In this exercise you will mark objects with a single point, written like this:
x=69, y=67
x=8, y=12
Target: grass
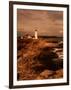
x=36, y=60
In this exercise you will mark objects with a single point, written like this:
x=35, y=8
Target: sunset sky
x=48, y=23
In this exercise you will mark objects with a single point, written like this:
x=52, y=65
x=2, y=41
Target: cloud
x=46, y=22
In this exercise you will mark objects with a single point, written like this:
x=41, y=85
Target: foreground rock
x=36, y=60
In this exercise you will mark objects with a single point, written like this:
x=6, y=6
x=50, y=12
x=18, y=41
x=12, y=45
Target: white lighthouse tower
x=36, y=35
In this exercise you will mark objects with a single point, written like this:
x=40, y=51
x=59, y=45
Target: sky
x=47, y=23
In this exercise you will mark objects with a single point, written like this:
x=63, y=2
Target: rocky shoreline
x=39, y=59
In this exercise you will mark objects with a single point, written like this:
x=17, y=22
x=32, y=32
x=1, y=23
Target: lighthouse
x=36, y=36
